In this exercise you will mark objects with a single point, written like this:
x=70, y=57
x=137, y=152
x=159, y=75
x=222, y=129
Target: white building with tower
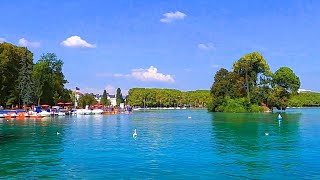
x=77, y=96
x=113, y=99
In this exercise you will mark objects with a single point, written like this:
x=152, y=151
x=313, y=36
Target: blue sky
x=165, y=44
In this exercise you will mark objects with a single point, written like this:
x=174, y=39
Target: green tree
x=119, y=98
x=251, y=67
x=286, y=78
x=10, y=66
x=66, y=95
x=285, y=83
x=279, y=98
x=39, y=76
x=49, y=79
x=25, y=80
x=251, y=85
x=87, y=99
x=104, y=98
x=226, y=84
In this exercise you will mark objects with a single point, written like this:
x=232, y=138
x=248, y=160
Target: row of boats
x=21, y=114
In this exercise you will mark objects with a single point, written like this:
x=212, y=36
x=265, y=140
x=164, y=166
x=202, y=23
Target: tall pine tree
x=25, y=79
x=104, y=99
x=119, y=98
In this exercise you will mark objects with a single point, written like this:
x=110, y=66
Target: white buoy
x=58, y=133
x=279, y=117
x=267, y=134
x=189, y=117
x=134, y=135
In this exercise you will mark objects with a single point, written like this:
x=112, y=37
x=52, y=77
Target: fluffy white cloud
x=215, y=66
x=26, y=43
x=207, y=46
x=150, y=74
x=76, y=41
x=172, y=16
x=2, y=40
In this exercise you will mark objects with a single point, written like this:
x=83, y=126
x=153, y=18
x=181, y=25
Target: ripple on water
x=169, y=145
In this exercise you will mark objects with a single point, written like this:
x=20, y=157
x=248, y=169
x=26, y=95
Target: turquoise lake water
x=169, y=145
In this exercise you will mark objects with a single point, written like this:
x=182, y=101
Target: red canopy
x=67, y=103
x=60, y=103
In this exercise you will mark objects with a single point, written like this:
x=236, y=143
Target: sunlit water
x=171, y=144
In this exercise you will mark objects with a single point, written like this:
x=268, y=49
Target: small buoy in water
x=189, y=117
x=279, y=117
x=58, y=133
x=267, y=134
x=134, y=135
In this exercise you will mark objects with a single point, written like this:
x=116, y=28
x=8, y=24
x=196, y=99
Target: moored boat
x=97, y=111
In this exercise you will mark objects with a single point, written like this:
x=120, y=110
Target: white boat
x=97, y=111
x=45, y=114
x=61, y=114
x=137, y=109
x=83, y=112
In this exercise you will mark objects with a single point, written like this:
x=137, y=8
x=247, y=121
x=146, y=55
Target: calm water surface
x=169, y=145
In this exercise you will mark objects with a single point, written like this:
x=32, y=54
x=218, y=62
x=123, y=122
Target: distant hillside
x=305, y=99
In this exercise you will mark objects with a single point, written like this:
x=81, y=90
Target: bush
x=235, y=105
x=255, y=108
x=238, y=105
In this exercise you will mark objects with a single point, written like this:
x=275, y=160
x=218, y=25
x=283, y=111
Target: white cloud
x=172, y=16
x=119, y=75
x=207, y=46
x=215, y=66
x=91, y=90
x=2, y=40
x=26, y=43
x=150, y=74
x=77, y=42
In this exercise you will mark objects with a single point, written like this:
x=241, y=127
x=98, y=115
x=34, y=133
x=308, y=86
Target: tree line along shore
x=249, y=86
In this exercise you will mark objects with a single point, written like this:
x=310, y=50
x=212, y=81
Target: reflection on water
x=256, y=145
x=28, y=147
